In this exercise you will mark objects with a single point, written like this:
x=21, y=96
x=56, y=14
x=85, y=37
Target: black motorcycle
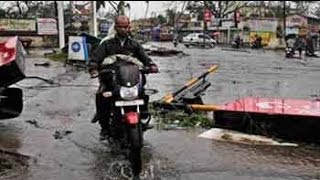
x=125, y=80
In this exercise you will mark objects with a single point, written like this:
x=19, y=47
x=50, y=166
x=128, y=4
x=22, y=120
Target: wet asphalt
x=55, y=133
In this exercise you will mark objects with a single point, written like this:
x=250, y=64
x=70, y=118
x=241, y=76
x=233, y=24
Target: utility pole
x=284, y=19
x=205, y=27
x=219, y=16
x=56, y=10
x=94, y=17
x=61, y=24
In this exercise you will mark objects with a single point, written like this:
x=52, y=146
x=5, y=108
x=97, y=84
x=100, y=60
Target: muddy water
x=55, y=132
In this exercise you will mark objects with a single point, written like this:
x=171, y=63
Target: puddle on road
x=174, y=72
x=11, y=162
x=9, y=137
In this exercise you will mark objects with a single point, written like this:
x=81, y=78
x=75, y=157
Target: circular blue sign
x=75, y=46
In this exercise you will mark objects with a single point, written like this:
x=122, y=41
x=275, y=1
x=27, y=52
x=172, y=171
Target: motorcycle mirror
x=11, y=103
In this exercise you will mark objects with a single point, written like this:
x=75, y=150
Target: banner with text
x=47, y=26
x=17, y=25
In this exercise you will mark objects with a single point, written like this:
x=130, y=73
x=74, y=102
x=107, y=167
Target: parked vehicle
x=199, y=39
x=12, y=65
x=123, y=77
x=11, y=103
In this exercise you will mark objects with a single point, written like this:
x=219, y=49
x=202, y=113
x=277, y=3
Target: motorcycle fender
x=131, y=118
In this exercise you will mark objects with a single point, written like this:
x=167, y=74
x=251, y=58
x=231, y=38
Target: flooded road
x=55, y=133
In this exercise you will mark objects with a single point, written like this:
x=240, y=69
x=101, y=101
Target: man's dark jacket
x=113, y=46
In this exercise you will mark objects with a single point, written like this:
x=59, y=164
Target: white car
x=198, y=39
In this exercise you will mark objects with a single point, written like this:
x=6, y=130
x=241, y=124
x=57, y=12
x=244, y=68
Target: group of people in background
x=300, y=43
x=256, y=42
x=293, y=43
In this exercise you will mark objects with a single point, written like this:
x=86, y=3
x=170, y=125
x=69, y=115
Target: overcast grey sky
x=138, y=8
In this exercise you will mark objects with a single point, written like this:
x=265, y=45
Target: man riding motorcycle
x=120, y=44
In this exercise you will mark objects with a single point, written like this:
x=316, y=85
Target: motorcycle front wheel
x=136, y=141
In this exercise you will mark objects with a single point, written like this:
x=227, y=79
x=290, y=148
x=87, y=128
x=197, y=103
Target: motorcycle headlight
x=129, y=93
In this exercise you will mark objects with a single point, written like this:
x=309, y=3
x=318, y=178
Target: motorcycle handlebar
x=94, y=73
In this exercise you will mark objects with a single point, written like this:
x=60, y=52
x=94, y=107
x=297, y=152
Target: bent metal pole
x=170, y=97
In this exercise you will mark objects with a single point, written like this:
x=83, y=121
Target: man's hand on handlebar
x=93, y=70
x=94, y=73
x=153, y=68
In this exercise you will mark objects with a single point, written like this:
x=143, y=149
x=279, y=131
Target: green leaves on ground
x=60, y=57
x=181, y=119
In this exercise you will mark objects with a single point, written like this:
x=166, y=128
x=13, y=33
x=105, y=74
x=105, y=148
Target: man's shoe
x=95, y=119
x=104, y=133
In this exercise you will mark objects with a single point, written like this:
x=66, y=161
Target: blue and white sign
x=75, y=46
x=78, y=48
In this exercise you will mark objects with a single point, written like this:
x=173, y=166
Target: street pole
x=56, y=10
x=94, y=17
x=219, y=15
x=61, y=24
x=205, y=27
x=284, y=19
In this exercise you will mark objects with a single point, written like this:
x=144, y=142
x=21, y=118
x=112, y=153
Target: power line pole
x=61, y=24
x=205, y=27
x=94, y=18
x=284, y=19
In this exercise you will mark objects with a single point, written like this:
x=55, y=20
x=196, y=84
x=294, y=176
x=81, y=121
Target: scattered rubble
x=238, y=137
x=61, y=134
x=33, y=122
x=153, y=50
x=45, y=64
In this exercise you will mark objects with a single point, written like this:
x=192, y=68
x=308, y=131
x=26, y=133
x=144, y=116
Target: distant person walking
x=299, y=45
